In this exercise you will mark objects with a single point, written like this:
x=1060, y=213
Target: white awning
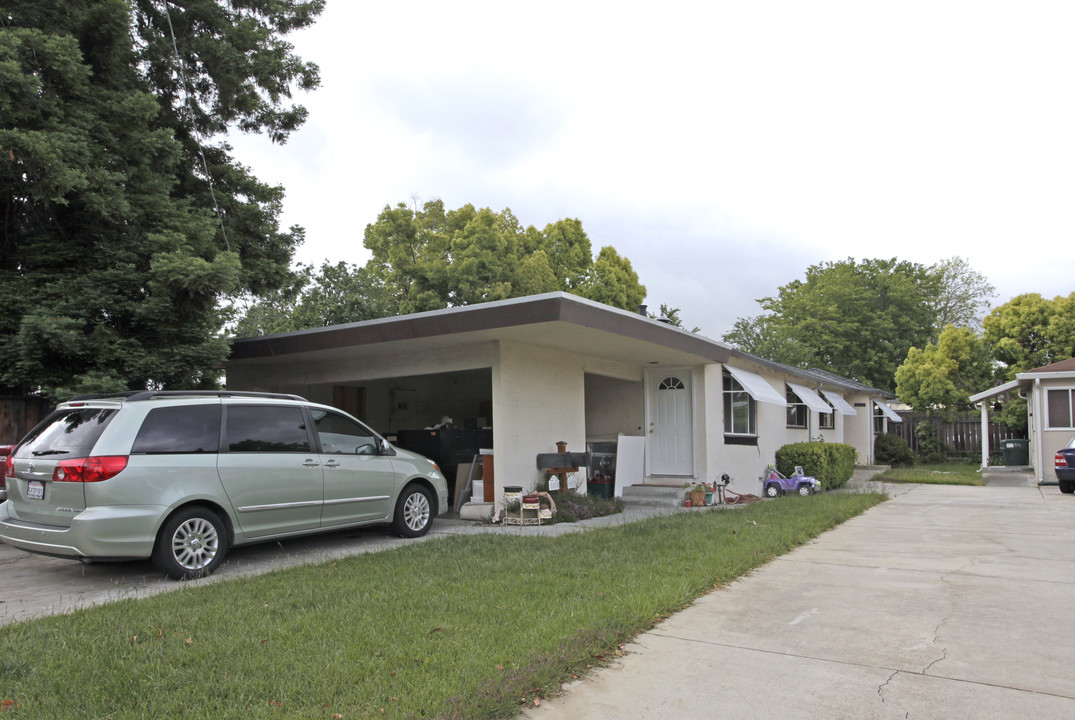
x=811, y=398
x=887, y=411
x=756, y=385
x=838, y=402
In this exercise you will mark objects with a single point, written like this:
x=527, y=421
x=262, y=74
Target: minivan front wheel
x=414, y=512
x=191, y=544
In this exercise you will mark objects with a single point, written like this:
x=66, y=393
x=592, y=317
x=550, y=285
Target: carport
x=531, y=370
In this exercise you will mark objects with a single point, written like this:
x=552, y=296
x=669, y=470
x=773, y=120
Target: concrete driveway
x=944, y=602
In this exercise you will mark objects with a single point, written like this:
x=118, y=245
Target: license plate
x=35, y=490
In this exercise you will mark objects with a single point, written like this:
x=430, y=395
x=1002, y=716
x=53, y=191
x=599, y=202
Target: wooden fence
x=962, y=437
x=19, y=414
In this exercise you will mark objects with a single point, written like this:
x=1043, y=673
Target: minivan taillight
x=1060, y=460
x=90, y=469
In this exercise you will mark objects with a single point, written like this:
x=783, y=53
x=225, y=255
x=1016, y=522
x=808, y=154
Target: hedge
x=831, y=463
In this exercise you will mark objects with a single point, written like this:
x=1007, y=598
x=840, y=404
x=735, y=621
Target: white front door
x=671, y=424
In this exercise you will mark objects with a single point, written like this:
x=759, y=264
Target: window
x=266, y=428
x=671, y=383
x=740, y=410
x=798, y=412
x=879, y=420
x=340, y=435
x=179, y=429
x=1061, y=408
x=827, y=421
x=67, y=432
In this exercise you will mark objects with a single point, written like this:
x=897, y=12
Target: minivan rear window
x=178, y=430
x=69, y=433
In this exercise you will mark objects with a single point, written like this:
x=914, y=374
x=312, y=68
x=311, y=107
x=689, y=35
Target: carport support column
x=985, y=434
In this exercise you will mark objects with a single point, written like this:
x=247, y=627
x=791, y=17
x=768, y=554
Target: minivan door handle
x=310, y=462
x=332, y=463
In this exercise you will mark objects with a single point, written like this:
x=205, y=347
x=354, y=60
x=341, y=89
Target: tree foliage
x=963, y=295
x=113, y=261
x=333, y=295
x=432, y=258
x=859, y=319
x=939, y=378
x=1029, y=332
x=856, y=319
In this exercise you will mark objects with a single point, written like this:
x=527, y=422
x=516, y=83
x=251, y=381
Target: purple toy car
x=776, y=484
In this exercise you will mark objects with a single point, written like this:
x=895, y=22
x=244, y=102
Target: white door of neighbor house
x=670, y=424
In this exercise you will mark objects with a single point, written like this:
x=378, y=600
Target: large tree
x=859, y=319
x=124, y=220
x=1029, y=332
x=429, y=258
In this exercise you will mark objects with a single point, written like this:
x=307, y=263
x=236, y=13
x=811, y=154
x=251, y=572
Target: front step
x=659, y=495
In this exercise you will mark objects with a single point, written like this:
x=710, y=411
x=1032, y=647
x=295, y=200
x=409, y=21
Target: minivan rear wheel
x=191, y=544
x=414, y=512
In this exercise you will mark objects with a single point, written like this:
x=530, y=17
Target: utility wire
x=194, y=124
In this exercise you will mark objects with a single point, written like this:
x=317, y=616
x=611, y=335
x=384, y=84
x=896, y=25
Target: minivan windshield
x=66, y=433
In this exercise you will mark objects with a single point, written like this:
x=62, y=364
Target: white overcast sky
x=723, y=147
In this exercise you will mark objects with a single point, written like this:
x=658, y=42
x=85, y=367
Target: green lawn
x=464, y=627
x=940, y=474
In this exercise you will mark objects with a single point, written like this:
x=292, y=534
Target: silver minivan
x=182, y=476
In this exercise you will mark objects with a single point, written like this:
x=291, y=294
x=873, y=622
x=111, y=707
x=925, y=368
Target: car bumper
x=100, y=533
x=1065, y=473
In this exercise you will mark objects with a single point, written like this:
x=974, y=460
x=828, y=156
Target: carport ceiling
x=554, y=320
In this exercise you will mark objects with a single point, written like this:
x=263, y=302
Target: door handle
x=310, y=462
x=332, y=463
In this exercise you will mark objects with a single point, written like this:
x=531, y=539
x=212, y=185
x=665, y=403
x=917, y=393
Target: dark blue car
x=1065, y=467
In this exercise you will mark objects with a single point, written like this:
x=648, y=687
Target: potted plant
x=696, y=493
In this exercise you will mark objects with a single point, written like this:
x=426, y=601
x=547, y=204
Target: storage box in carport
x=1015, y=451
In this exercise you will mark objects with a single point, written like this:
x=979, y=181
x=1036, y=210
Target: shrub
x=892, y=450
x=930, y=449
x=831, y=463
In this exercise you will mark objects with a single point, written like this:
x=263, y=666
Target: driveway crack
x=882, y=686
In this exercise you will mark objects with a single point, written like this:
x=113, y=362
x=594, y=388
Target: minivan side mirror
x=385, y=447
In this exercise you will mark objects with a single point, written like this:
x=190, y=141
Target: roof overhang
x=554, y=320
x=998, y=391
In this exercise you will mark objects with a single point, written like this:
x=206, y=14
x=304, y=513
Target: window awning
x=756, y=385
x=887, y=411
x=811, y=398
x=838, y=402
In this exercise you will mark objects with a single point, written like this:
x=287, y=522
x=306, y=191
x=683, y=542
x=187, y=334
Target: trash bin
x=601, y=489
x=1015, y=452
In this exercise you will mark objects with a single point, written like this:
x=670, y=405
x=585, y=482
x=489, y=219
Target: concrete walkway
x=944, y=601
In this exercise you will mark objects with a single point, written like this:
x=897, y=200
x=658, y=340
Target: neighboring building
x=1050, y=395
x=545, y=368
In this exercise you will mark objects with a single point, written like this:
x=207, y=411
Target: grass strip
x=464, y=627
x=937, y=474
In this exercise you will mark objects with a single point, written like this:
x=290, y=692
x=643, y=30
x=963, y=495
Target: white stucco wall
x=538, y=399
x=613, y=407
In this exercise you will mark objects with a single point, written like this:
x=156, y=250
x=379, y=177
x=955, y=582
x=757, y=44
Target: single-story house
x=516, y=376
x=1050, y=396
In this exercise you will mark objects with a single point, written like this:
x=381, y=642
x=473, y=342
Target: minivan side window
x=340, y=435
x=266, y=428
x=179, y=429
